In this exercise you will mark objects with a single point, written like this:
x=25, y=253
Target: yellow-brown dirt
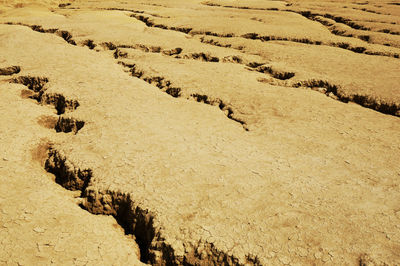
x=215, y=132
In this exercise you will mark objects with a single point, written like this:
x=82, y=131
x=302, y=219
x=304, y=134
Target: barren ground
x=215, y=132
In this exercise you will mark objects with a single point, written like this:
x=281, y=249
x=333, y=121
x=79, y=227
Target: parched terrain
x=216, y=132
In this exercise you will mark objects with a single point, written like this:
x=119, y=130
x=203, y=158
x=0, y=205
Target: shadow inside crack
x=68, y=124
x=275, y=73
x=8, y=71
x=166, y=86
x=335, y=92
x=135, y=220
x=35, y=84
x=37, y=88
x=59, y=102
x=61, y=124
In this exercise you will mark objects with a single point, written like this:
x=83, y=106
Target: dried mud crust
x=45, y=243
x=283, y=78
x=333, y=22
x=279, y=77
x=363, y=100
x=149, y=22
x=37, y=91
x=176, y=53
x=367, y=101
x=66, y=174
x=61, y=33
x=256, y=36
x=337, y=93
x=167, y=86
x=135, y=218
x=154, y=248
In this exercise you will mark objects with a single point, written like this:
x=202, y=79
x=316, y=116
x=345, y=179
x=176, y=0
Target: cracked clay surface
x=199, y=133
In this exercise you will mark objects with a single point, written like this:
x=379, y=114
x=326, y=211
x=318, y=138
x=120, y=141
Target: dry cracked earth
x=191, y=132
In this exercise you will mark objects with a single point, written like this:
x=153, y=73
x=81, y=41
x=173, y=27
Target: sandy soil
x=199, y=132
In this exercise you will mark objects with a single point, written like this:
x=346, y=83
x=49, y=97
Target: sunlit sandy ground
x=206, y=132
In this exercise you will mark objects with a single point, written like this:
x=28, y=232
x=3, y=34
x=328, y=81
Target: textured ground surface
x=207, y=132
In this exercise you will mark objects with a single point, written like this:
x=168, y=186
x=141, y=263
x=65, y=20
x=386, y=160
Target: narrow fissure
x=256, y=36
x=60, y=103
x=37, y=86
x=38, y=28
x=366, y=101
x=166, y=86
x=133, y=219
x=175, y=53
x=8, y=71
x=278, y=74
